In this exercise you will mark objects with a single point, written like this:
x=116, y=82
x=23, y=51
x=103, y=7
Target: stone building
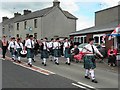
x=49, y=22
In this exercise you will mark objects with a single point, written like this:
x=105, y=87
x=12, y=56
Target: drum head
x=23, y=52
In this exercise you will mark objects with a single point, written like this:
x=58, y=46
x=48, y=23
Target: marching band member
x=11, y=47
x=67, y=51
x=4, y=46
x=19, y=47
x=89, y=60
x=29, y=44
x=57, y=52
x=44, y=51
x=51, y=49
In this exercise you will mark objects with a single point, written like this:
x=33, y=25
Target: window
x=35, y=23
x=17, y=35
x=85, y=41
x=35, y=35
x=3, y=31
x=101, y=39
x=17, y=26
x=81, y=39
x=96, y=39
x=75, y=39
x=27, y=35
x=25, y=25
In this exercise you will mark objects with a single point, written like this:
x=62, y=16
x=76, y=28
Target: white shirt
x=89, y=47
x=66, y=44
x=56, y=45
x=51, y=44
x=18, y=46
x=11, y=45
x=28, y=43
x=45, y=45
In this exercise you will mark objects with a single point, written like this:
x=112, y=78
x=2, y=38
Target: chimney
x=16, y=14
x=56, y=3
x=4, y=18
x=27, y=12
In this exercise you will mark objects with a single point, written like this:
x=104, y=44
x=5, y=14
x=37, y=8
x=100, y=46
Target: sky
x=84, y=10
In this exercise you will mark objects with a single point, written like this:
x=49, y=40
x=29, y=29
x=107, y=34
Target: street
x=17, y=75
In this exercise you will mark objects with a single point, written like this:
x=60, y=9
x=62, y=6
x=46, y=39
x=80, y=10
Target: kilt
x=12, y=51
x=51, y=51
x=67, y=53
x=57, y=53
x=18, y=51
x=30, y=53
x=89, y=62
x=44, y=54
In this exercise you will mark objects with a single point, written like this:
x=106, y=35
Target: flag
x=113, y=34
x=103, y=38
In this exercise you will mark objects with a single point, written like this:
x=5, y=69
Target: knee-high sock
x=56, y=59
x=44, y=60
x=92, y=74
x=30, y=60
x=86, y=72
x=13, y=56
x=18, y=58
x=68, y=60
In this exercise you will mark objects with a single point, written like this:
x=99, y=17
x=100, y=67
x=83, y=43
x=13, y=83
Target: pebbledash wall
x=51, y=21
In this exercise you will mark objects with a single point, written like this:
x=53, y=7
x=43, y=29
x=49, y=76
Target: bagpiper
x=57, y=52
x=19, y=48
x=11, y=48
x=29, y=45
x=51, y=43
x=44, y=51
x=67, y=53
x=89, y=60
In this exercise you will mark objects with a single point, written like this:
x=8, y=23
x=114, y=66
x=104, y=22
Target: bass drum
x=23, y=53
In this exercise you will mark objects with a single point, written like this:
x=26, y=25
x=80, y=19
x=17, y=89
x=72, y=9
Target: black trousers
x=112, y=59
x=4, y=49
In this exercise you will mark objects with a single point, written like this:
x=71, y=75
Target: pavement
x=73, y=75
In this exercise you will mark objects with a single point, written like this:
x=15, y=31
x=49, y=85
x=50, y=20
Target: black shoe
x=87, y=77
x=57, y=63
x=42, y=62
x=68, y=63
x=94, y=81
x=33, y=60
x=30, y=65
x=19, y=61
x=55, y=60
x=45, y=65
x=14, y=60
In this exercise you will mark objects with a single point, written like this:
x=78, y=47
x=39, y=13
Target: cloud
x=71, y=6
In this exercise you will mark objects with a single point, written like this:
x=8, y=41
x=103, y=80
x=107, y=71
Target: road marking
x=78, y=86
x=86, y=85
x=31, y=68
x=44, y=69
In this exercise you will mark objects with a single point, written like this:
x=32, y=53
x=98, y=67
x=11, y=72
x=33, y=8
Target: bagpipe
x=82, y=54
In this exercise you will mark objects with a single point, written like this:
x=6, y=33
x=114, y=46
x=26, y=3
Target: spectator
x=74, y=52
x=112, y=56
